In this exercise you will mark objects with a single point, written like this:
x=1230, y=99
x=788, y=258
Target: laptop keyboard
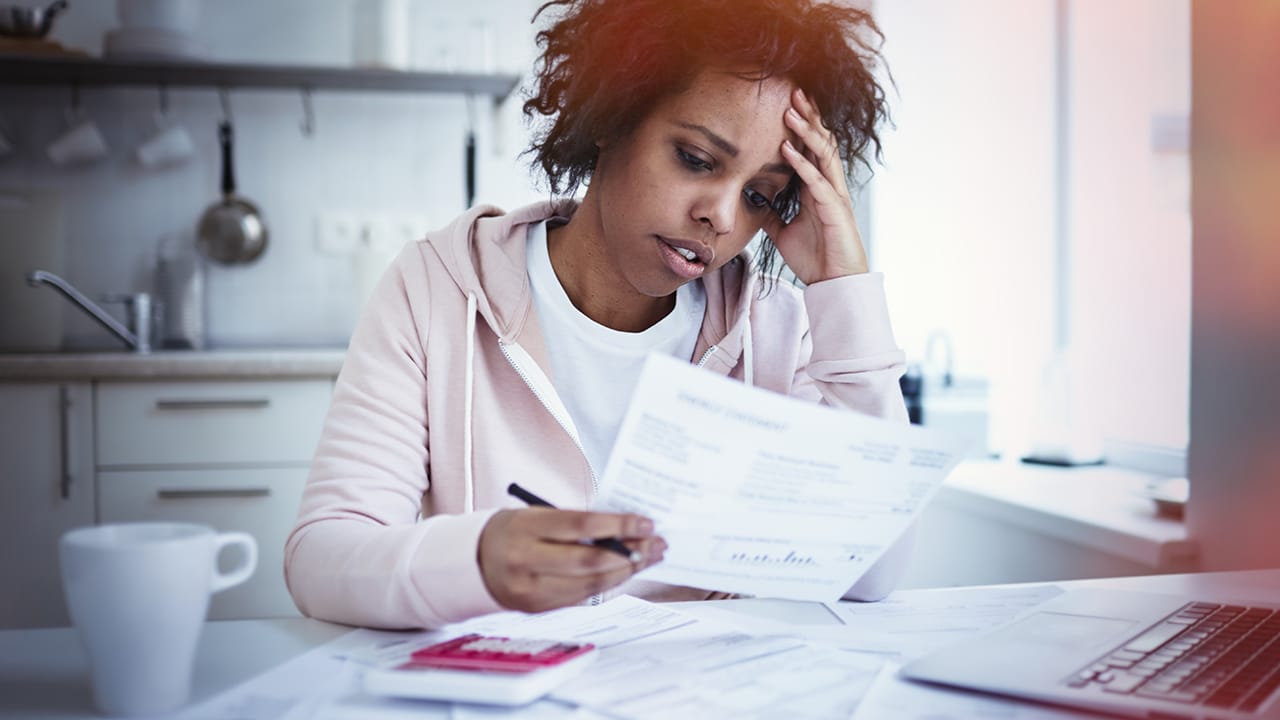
x=1219, y=656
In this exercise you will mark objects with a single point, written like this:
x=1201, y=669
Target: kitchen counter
x=173, y=364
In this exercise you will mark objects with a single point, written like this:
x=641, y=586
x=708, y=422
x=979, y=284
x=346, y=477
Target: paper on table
x=684, y=666
x=912, y=623
x=762, y=494
x=658, y=662
x=893, y=697
x=655, y=662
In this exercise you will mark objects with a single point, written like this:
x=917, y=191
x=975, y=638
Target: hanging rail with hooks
x=91, y=71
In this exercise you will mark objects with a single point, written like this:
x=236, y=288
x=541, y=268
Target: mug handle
x=222, y=581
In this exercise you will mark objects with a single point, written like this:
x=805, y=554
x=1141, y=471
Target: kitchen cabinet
x=46, y=488
x=231, y=454
x=260, y=501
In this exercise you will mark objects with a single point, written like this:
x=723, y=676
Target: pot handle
x=228, y=172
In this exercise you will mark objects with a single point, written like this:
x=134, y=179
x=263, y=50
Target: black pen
x=612, y=544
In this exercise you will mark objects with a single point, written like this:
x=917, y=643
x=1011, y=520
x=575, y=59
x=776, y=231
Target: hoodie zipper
x=564, y=425
x=707, y=355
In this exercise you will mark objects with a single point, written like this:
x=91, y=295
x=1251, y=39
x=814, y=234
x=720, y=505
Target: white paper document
x=761, y=494
x=654, y=662
x=891, y=696
x=658, y=662
x=911, y=623
x=664, y=662
x=703, y=668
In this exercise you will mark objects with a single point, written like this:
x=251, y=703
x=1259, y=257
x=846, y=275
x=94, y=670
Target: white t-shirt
x=594, y=368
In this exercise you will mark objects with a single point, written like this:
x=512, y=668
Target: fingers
x=573, y=525
x=822, y=151
x=532, y=592
x=579, y=559
x=820, y=187
x=538, y=558
x=571, y=590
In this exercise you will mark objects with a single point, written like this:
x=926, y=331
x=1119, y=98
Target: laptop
x=1126, y=653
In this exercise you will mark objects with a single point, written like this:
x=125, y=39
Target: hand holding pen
x=612, y=544
x=539, y=558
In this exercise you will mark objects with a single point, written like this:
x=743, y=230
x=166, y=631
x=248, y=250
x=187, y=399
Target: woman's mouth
x=682, y=261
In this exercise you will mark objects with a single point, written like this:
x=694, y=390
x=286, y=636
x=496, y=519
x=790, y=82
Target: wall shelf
x=82, y=72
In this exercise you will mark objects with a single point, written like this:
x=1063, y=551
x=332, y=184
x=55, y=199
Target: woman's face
x=691, y=185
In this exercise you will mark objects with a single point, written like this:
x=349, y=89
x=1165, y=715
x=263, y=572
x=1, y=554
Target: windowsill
x=1099, y=507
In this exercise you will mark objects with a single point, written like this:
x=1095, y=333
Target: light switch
x=338, y=233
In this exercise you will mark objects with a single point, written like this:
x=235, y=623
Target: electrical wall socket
x=346, y=233
x=339, y=233
x=389, y=233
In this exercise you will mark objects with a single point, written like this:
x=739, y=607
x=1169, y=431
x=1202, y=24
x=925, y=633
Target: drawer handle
x=200, y=494
x=64, y=422
x=214, y=404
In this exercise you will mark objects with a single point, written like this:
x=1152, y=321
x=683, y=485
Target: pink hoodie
x=444, y=400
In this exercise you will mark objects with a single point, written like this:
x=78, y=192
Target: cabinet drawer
x=263, y=503
x=199, y=423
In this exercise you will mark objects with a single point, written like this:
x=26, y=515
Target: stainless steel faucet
x=949, y=357
x=137, y=335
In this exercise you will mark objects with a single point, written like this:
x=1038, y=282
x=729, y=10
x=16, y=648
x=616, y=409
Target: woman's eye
x=755, y=199
x=692, y=160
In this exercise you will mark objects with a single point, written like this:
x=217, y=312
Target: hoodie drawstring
x=748, y=369
x=468, y=383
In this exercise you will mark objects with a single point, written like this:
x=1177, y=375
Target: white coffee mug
x=81, y=144
x=138, y=593
x=169, y=145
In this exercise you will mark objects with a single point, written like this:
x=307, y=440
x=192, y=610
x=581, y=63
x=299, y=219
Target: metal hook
x=225, y=96
x=308, y=114
x=74, y=113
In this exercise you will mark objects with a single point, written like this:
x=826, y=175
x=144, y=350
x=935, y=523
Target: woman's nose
x=717, y=209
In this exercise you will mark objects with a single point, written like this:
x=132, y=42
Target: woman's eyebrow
x=730, y=149
x=725, y=145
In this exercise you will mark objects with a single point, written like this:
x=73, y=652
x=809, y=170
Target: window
x=1034, y=207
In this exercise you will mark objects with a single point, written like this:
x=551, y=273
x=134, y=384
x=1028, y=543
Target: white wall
x=395, y=154
x=963, y=212
x=1129, y=226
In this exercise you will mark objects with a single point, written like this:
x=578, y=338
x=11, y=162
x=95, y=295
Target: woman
x=503, y=348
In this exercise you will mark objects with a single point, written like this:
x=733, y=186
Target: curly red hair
x=605, y=63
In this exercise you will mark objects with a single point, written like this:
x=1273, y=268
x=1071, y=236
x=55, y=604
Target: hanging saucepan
x=231, y=230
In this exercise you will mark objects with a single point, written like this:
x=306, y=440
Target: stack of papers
x=655, y=662
x=659, y=661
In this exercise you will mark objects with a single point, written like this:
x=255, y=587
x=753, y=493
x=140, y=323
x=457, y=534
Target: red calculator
x=482, y=669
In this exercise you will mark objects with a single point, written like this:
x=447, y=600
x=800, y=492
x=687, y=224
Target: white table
x=44, y=673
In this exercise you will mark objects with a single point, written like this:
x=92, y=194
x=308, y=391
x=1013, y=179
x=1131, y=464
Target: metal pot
x=231, y=231
x=29, y=22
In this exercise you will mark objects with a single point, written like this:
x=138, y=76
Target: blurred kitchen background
x=378, y=168
x=1024, y=164
x=1032, y=217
